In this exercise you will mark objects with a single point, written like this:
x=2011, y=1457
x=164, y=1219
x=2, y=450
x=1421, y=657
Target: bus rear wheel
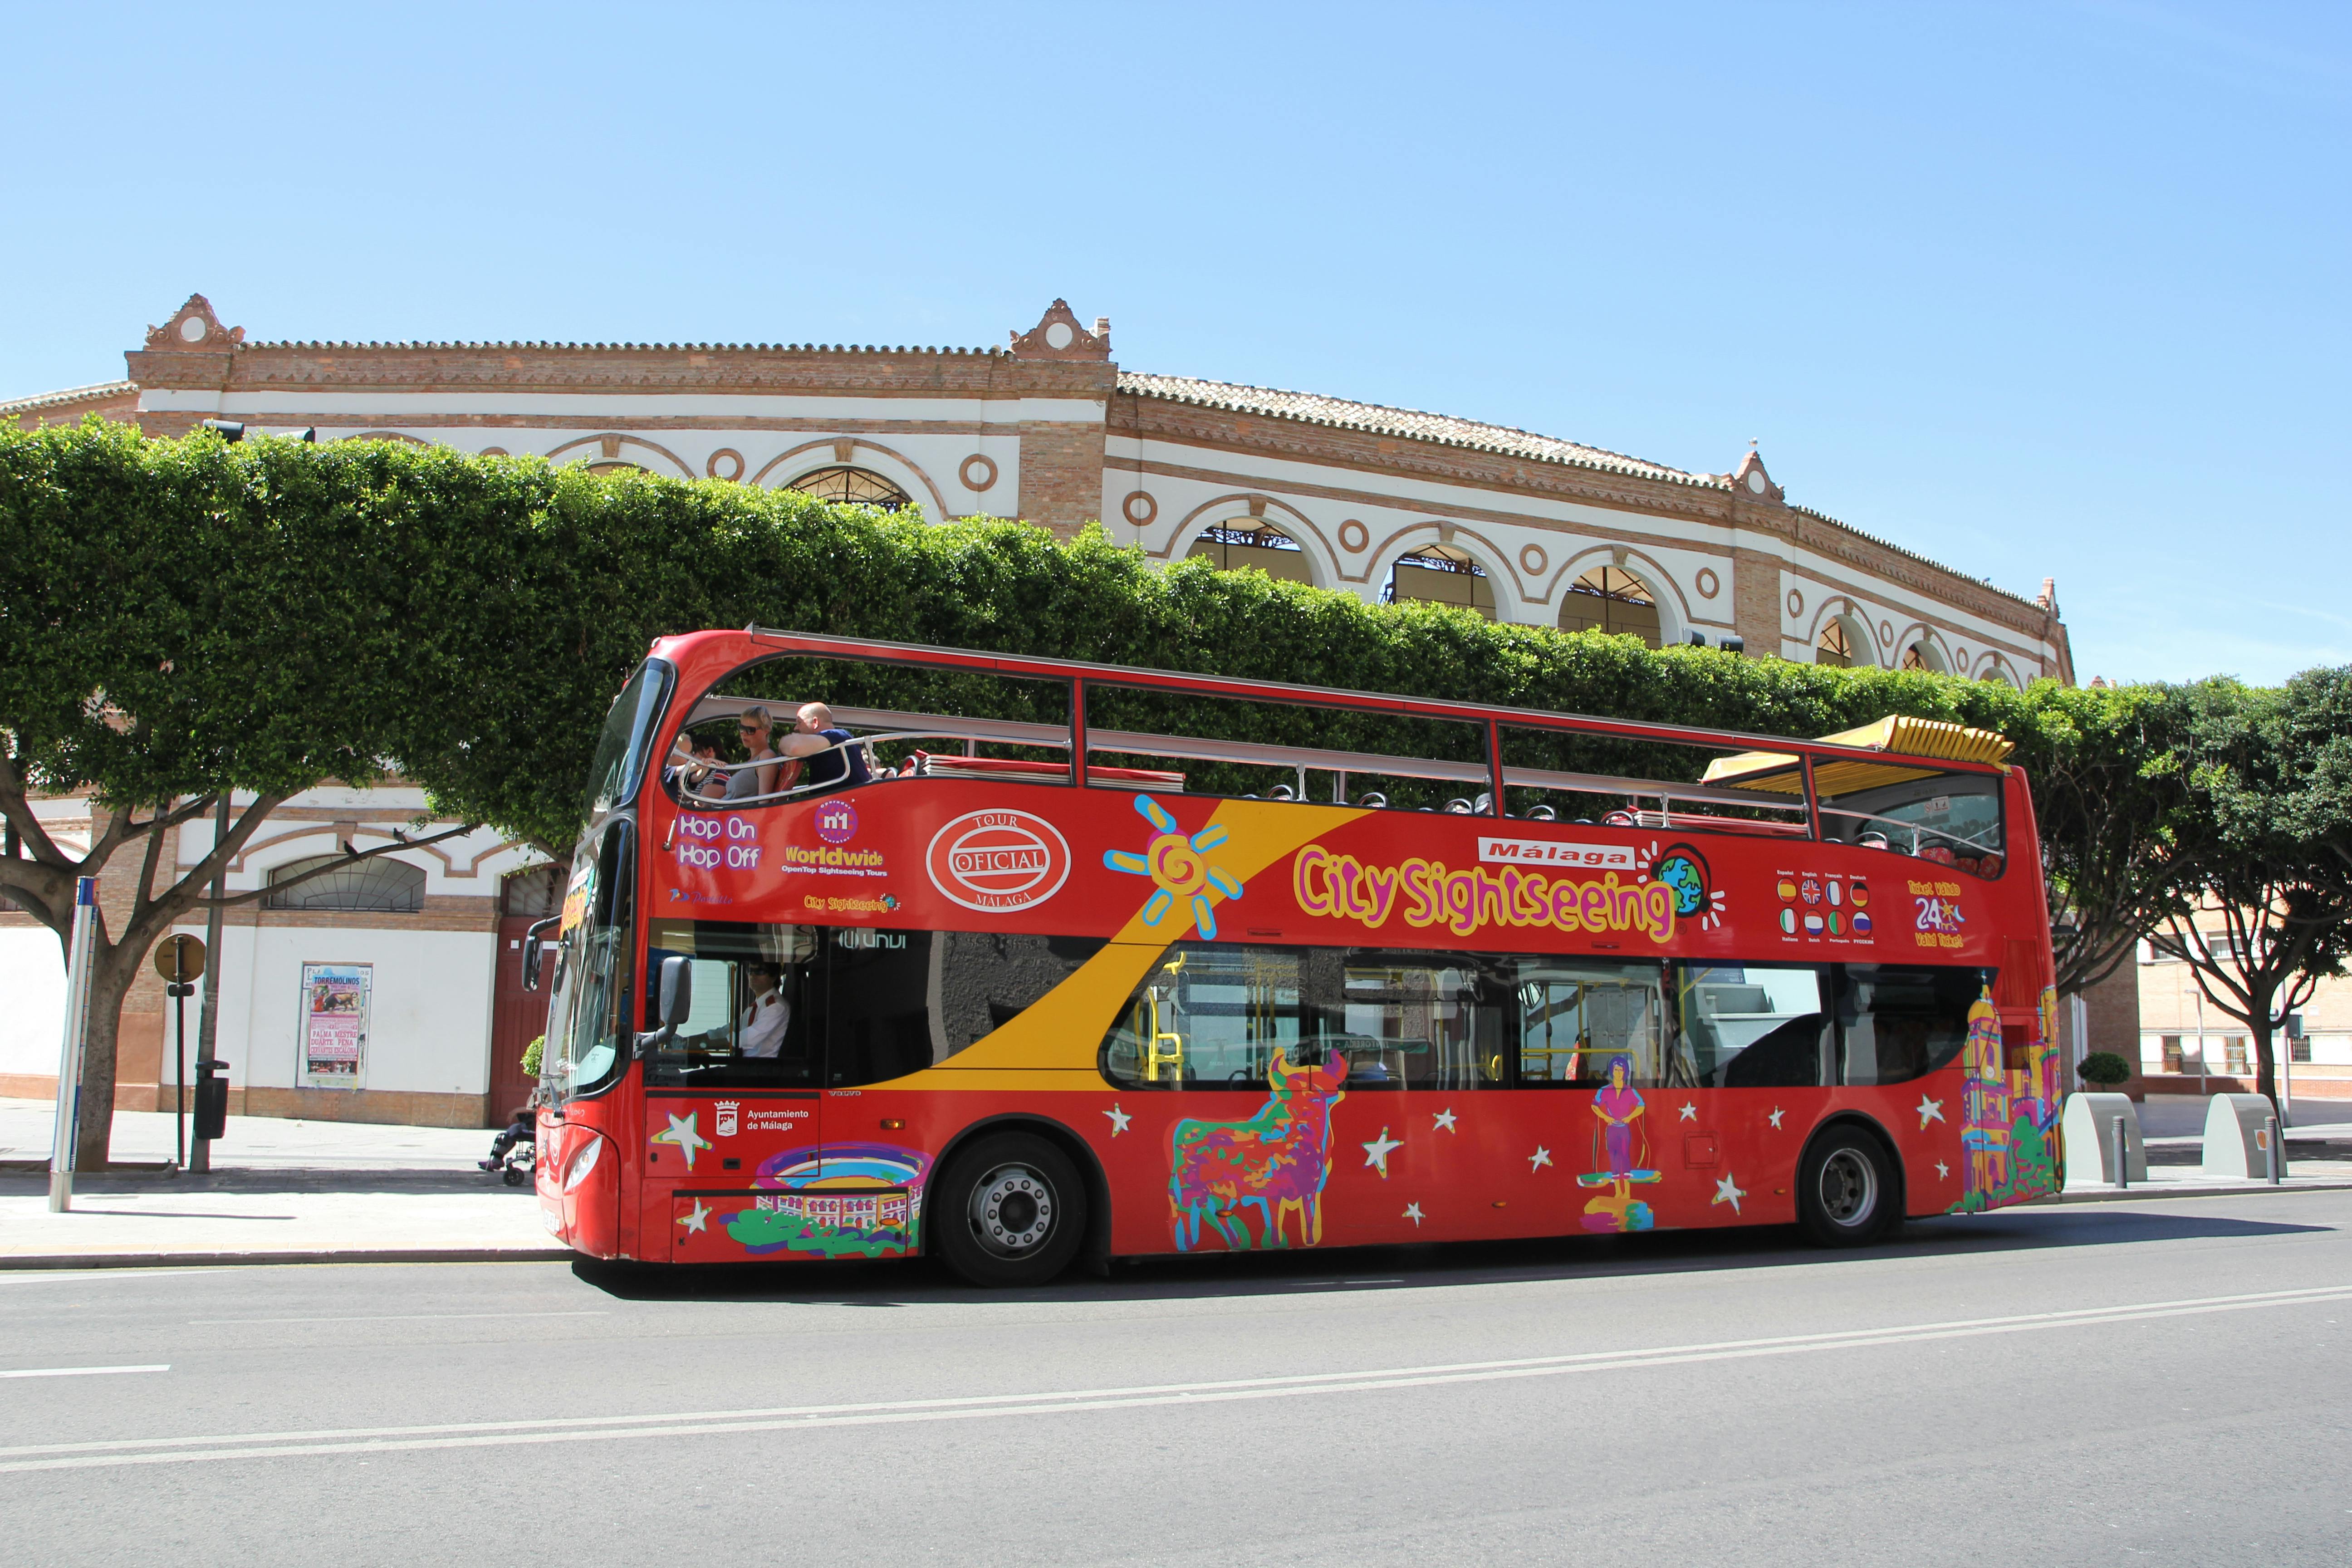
x=1011, y=1210
x=1845, y=1189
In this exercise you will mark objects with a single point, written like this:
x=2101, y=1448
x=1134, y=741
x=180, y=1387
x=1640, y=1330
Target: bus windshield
x=620, y=763
x=588, y=1012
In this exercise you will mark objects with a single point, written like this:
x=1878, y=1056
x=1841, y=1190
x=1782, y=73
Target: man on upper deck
x=832, y=758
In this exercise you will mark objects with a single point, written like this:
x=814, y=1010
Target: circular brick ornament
x=978, y=472
x=1354, y=536
x=1138, y=508
x=1532, y=558
x=1796, y=602
x=726, y=463
x=1709, y=584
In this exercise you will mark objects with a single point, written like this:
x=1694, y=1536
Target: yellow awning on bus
x=1896, y=732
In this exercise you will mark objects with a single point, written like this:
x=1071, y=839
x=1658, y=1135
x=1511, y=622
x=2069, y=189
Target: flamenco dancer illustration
x=1619, y=1143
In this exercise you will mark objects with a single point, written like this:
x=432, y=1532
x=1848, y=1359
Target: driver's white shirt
x=761, y=1031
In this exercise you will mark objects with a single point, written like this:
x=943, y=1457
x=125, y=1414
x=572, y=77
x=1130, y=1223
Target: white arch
x=781, y=468
x=1859, y=637
x=627, y=448
x=1673, y=609
x=1937, y=657
x=1322, y=567
x=1510, y=604
x=1998, y=667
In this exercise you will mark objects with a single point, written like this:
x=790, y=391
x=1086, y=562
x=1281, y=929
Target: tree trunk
x=112, y=968
x=2266, y=1065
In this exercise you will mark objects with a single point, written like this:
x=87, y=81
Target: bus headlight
x=582, y=1163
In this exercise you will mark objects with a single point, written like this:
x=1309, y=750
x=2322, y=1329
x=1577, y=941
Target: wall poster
x=335, y=1022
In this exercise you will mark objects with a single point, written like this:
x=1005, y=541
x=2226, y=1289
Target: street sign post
x=180, y=960
x=78, y=950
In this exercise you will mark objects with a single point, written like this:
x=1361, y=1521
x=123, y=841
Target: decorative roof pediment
x=1751, y=479
x=1058, y=335
x=194, y=326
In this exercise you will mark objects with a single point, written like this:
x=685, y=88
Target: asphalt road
x=2162, y=1383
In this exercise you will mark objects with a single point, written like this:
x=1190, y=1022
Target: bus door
x=879, y=1015
x=1599, y=1135
x=733, y=1111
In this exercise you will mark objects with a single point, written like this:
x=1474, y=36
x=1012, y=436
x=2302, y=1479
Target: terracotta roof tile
x=1412, y=423
x=95, y=393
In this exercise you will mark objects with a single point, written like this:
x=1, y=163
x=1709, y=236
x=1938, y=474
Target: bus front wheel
x=1010, y=1211
x=1845, y=1189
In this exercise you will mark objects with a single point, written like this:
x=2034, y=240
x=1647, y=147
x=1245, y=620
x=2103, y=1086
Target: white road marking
x=395, y=1318
x=86, y=1276
x=602, y=1429
x=81, y=1371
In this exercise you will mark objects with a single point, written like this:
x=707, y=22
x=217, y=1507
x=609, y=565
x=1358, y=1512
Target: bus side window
x=1756, y=1025
x=1898, y=1022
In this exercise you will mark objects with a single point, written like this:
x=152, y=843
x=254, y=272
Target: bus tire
x=1845, y=1189
x=1011, y=1210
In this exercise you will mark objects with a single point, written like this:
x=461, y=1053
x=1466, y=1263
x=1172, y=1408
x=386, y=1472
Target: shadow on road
x=924, y=1281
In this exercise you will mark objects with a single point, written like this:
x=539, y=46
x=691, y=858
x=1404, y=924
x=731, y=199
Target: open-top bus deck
x=1133, y=961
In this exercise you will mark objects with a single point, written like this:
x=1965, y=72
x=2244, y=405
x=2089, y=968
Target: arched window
x=382, y=886
x=538, y=892
x=1611, y=599
x=1440, y=574
x=1835, y=646
x=1245, y=543
x=852, y=487
x=1922, y=655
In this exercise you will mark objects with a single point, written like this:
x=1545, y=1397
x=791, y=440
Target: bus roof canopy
x=1896, y=733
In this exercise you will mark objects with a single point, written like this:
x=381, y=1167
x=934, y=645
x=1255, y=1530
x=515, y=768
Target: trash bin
x=2088, y=1128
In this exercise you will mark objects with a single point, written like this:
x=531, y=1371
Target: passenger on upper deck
x=749, y=778
x=831, y=757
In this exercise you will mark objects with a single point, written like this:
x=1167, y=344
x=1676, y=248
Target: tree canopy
x=183, y=617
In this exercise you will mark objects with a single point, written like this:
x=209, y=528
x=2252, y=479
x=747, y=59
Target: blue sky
x=2035, y=291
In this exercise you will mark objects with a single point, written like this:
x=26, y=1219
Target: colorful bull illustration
x=1276, y=1162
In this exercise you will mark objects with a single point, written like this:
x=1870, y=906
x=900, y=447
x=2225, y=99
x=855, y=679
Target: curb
x=216, y=1259
x=2145, y=1192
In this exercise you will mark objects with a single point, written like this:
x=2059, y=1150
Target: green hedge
x=473, y=617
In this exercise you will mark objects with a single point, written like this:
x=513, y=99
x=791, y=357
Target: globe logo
x=1681, y=874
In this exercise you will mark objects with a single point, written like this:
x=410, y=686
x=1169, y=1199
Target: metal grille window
x=1441, y=575
x=382, y=886
x=1265, y=547
x=1613, y=600
x=854, y=487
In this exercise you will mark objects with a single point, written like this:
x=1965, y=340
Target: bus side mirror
x=677, y=992
x=532, y=952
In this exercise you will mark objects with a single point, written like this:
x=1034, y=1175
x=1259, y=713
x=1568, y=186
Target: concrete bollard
x=2240, y=1138
x=2101, y=1139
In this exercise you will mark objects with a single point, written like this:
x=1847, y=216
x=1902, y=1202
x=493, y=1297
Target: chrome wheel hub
x=1849, y=1187
x=1012, y=1211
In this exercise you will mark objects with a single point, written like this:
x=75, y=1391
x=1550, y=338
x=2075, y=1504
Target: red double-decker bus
x=1010, y=959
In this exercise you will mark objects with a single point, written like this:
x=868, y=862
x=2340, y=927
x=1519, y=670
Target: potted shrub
x=2105, y=1070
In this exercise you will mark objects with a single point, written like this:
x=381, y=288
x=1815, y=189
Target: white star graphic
x=1930, y=1111
x=1119, y=1121
x=1412, y=1213
x=700, y=1220
x=1775, y=1117
x=1943, y=1171
x=1540, y=1158
x=1377, y=1152
x=1445, y=1120
x=1690, y=1111
x=1725, y=1192
x=684, y=1138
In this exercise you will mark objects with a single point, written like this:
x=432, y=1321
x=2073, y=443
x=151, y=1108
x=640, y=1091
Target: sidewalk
x=278, y=1192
